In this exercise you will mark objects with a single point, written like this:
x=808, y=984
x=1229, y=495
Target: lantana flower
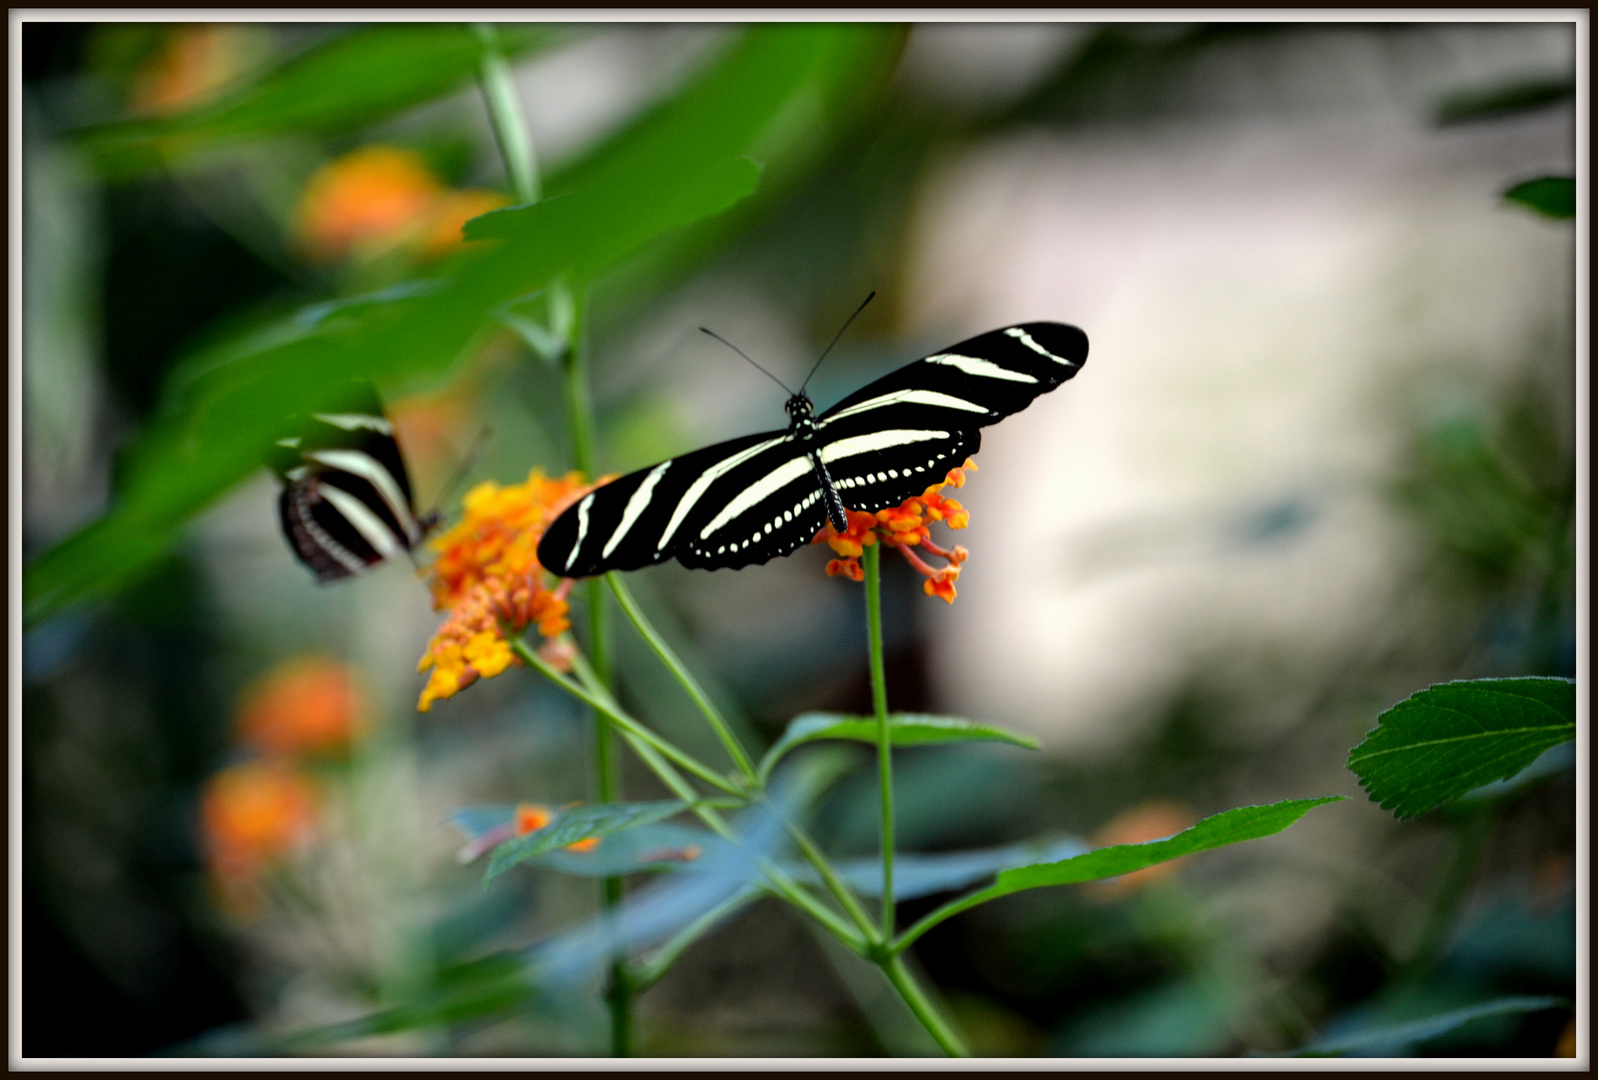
x=488, y=577
x=251, y=815
x=905, y=527
x=308, y=705
x=378, y=199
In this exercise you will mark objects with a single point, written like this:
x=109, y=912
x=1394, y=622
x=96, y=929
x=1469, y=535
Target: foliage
x=1444, y=741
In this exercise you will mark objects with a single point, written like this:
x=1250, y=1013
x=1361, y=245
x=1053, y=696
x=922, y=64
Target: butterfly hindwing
x=346, y=502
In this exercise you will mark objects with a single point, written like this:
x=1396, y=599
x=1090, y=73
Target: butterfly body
x=752, y=499
x=346, y=503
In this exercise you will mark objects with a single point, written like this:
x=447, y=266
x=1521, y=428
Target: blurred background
x=1322, y=456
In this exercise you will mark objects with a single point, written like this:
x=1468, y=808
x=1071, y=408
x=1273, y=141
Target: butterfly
x=346, y=501
x=752, y=499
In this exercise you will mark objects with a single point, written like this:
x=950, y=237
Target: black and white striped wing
x=740, y=502
x=346, y=502
x=892, y=439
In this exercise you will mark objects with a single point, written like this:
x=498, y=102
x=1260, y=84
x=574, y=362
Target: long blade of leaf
x=354, y=79
x=1218, y=830
x=1392, y=1037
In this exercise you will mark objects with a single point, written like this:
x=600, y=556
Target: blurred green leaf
x=1218, y=830
x=1449, y=739
x=680, y=164
x=352, y=80
x=235, y=403
x=577, y=824
x=1387, y=1039
x=1550, y=196
x=922, y=875
x=1504, y=99
x=904, y=729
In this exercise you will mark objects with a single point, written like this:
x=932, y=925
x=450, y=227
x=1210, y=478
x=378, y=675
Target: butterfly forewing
x=881, y=438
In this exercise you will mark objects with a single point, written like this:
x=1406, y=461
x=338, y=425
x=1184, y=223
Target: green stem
x=505, y=116
x=646, y=973
x=605, y=706
x=652, y=750
x=836, y=885
x=913, y=996
x=879, y=702
x=712, y=715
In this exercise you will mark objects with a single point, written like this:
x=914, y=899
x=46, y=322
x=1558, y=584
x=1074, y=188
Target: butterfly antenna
x=835, y=338
x=460, y=473
x=745, y=355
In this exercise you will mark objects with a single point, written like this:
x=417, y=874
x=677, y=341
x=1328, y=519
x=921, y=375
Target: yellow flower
x=488, y=577
x=904, y=527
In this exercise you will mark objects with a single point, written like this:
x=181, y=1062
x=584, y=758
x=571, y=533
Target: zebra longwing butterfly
x=752, y=499
x=346, y=501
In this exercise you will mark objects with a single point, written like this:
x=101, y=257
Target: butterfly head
x=800, y=407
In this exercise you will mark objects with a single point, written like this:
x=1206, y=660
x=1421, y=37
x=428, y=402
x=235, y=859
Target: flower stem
x=505, y=116
x=879, y=702
x=521, y=166
x=914, y=997
x=712, y=715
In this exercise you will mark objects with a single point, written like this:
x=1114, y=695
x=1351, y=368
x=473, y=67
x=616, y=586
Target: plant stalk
x=913, y=996
x=879, y=702
x=521, y=165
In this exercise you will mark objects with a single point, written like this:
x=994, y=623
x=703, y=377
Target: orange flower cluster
x=193, y=65
x=487, y=575
x=309, y=705
x=251, y=814
x=379, y=199
x=905, y=526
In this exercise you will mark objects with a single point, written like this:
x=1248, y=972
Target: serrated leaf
x=1550, y=196
x=1218, y=830
x=576, y=824
x=354, y=79
x=1454, y=737
x=1391, y=1037
x=904, y=729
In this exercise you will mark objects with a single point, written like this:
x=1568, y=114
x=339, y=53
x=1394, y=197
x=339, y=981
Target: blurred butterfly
x=346, y=502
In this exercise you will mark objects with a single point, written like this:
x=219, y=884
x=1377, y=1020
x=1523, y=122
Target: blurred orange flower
x=309, y=705
x=378, y=199
x=487, y=575
x=904, y=527
x=251, y=815
x=530, y=817
x=453, y=211
x=1152, y=820
x=370, y=200
x=195, y=62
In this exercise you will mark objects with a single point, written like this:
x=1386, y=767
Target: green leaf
x=1449, y=739
x=923, y=875
x=1394, y=1037
x=579, y=823
x=1218, y=830
x=1504, y=99
x=904, y=729
x=1550, y=196
x=233, y=406
x=352, y=80
x=772, y=94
